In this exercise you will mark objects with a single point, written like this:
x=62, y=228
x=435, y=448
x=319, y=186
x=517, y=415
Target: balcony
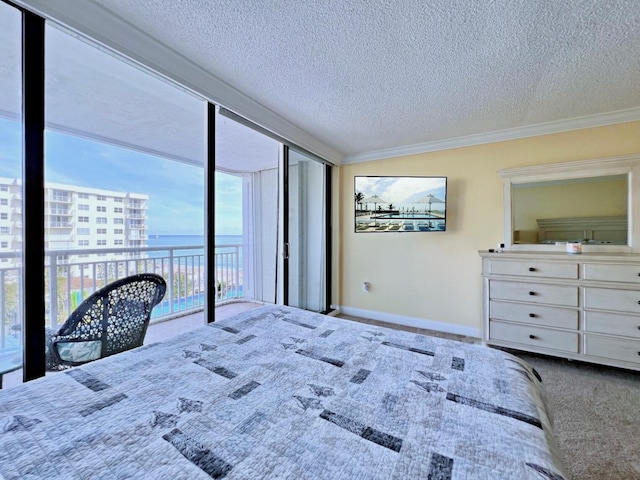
x=136, y=205
x=59, y=198
x=69, y=281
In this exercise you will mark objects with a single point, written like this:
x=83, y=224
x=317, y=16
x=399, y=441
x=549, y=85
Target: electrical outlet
x=365, y=287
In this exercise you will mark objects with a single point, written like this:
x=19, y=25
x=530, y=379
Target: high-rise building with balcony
x=77, y=218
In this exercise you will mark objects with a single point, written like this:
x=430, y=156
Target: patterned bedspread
x=282, y=393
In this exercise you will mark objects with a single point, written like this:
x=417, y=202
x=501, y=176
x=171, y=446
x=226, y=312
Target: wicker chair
x=113, y=319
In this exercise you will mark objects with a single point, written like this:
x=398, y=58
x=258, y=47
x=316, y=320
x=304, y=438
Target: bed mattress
x=279, y=392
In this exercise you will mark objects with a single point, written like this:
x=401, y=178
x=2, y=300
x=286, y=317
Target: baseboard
x=411, y=321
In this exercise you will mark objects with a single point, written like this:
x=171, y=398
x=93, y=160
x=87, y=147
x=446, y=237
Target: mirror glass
x=592, y=210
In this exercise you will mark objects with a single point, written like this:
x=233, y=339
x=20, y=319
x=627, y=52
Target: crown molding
x=99, y=25
x=577, y=123
x=593, y=167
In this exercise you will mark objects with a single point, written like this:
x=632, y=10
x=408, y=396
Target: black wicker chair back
x=113, y=319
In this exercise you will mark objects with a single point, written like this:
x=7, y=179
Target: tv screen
x=400, y=204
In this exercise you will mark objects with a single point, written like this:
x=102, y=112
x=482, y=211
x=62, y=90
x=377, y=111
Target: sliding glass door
x=124, y=179
x=305, y=247
x=247, y=172
x=11, y=191
x=284, y=256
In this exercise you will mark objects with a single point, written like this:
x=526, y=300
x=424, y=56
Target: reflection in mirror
x=594, y=201
x=590, y=210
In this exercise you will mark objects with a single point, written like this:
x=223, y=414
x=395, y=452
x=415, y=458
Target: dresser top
x=615, y=257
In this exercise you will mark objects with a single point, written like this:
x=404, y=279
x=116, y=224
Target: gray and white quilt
x=278, y=392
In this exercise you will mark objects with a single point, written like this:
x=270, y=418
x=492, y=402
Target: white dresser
x=584, y=307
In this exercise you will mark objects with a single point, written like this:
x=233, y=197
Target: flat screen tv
x=403, y=204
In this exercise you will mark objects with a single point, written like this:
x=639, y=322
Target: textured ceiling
x=369, y=75
x=365, y=76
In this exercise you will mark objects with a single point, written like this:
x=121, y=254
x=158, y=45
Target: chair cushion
x=79, y=352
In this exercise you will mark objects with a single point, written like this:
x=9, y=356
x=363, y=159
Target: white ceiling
x=369, y=79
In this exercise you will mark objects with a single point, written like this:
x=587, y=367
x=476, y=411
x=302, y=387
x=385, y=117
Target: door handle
x=285, y=251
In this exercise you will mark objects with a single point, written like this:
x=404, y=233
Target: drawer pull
x=533, y=337
x=533, y=315
x=531, y=269
x=533, y=293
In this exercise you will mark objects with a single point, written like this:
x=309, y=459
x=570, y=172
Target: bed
x=278, y=392
x=587, y=230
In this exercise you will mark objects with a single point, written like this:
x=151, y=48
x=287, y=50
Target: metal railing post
x=237, y=279
x=53, y=291
x=170, y=282
x=4, y=317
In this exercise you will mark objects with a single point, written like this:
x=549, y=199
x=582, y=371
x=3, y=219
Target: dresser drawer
x=563, y=295
x=535, y=269
x=612, y=324
x=534, y=336
x=612, y=273
x=610, y=299
x=613, y=348
x=534, y=314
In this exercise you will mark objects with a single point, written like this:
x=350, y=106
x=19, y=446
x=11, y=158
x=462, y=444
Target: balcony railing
x=59, y=198
x=228, y=276
x=68, y=281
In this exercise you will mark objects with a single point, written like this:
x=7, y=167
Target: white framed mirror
x=594, y=202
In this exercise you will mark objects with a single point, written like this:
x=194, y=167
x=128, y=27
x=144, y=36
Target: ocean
x=176, y=240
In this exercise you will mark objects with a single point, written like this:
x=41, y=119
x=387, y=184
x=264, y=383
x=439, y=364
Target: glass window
x=11, y=181
x=126, y=141
x=251, y=237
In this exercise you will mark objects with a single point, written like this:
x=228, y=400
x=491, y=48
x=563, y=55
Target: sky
x=176, y=190
x=228, y=201
x=403, y=191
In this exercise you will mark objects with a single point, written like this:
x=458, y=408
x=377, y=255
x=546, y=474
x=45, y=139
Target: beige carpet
x=596, y=412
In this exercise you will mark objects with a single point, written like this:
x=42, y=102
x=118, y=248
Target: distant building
x=76, y=218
